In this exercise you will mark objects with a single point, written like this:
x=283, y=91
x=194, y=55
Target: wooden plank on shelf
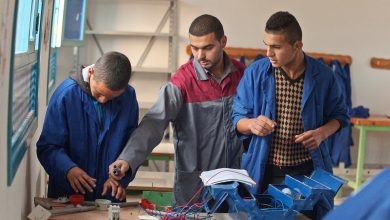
x=380, y=63
x=164, y=149
x=152, y=181
x=251, y=53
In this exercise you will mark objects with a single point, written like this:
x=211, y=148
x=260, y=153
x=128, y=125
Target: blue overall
x=72, y=136
x=321, y=102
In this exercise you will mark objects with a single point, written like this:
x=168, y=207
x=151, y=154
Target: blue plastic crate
x=331, y=181
x=309, y=188
x=303, y=194
x=295, y=200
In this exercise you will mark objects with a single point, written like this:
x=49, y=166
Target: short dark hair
x=206, y=24
x=284, y=23
x=113, y=69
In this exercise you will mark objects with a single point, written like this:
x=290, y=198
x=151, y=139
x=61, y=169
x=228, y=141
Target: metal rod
x=71, y=210
x=153, y=38
x=95, y=38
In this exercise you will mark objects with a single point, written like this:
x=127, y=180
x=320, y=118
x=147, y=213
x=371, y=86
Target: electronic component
x=113, y=212
x=117, y=170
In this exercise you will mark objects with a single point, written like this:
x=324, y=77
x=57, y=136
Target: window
x=67, y=30
x=69, y=20
x=24, y=71
x=52, y=71
x=53, y=51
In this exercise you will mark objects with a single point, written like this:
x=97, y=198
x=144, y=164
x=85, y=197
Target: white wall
x=355, y=28
x=5, y=14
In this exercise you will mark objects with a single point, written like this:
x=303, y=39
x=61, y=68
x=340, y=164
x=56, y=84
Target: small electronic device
x=117, y=170
x=113, y=212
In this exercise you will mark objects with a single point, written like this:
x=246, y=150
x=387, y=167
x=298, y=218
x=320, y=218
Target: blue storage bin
x=311, y=189
x=271, y=208
x=295, y=200
x=329, y=180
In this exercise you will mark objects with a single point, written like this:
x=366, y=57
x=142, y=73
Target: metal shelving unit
x=168, y=20
x=128, y=33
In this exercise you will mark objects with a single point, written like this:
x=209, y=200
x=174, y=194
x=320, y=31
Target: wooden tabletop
x=373, y=120
x=126, y=213
x=129, y=212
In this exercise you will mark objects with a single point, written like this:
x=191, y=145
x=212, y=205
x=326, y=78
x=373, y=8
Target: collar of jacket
x=310, y=80
x=201, y=73
x=77, y=76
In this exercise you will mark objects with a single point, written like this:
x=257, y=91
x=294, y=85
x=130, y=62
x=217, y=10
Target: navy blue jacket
x=71, y=137
x=321, y=102
x=372, y=201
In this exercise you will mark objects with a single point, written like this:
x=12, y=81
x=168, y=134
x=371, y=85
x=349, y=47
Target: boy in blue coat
x=89, y=118
x=288, y=104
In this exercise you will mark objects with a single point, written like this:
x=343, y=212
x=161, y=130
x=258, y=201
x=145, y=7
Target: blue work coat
x=340, y=142
x=371, y=202
x=321, y=102
x=71, y=137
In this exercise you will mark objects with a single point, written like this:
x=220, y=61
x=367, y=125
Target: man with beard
x=198, y=101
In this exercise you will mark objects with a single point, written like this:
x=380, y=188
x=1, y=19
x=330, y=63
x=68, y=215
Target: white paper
x=39, y=213
x=226, y=175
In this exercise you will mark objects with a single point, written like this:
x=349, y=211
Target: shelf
x=128, y=33
x=164, y=148
x=152, y=181
x=145, y=104
x=151, y=70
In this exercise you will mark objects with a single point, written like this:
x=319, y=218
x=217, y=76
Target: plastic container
x=76, y=199
x=102, y=204
x=292, y=200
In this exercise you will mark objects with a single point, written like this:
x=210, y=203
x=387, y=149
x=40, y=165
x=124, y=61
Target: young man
x=198, y=101
x=88, y=121
x=289, y=104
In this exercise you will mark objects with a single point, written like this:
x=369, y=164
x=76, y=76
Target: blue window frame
x=51, y=77
x=23, y=89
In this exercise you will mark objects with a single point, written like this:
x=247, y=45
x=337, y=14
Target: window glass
x=23, y=26
x=51, y=77
x=22, y=112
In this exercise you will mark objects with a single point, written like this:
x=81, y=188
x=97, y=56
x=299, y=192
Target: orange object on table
x=76, y=199
x=373, y=120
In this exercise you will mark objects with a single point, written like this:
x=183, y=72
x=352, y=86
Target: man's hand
x=80, y=181
x=310, y=139
x=117, y=190
x=261, y=126
x=118, y=169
